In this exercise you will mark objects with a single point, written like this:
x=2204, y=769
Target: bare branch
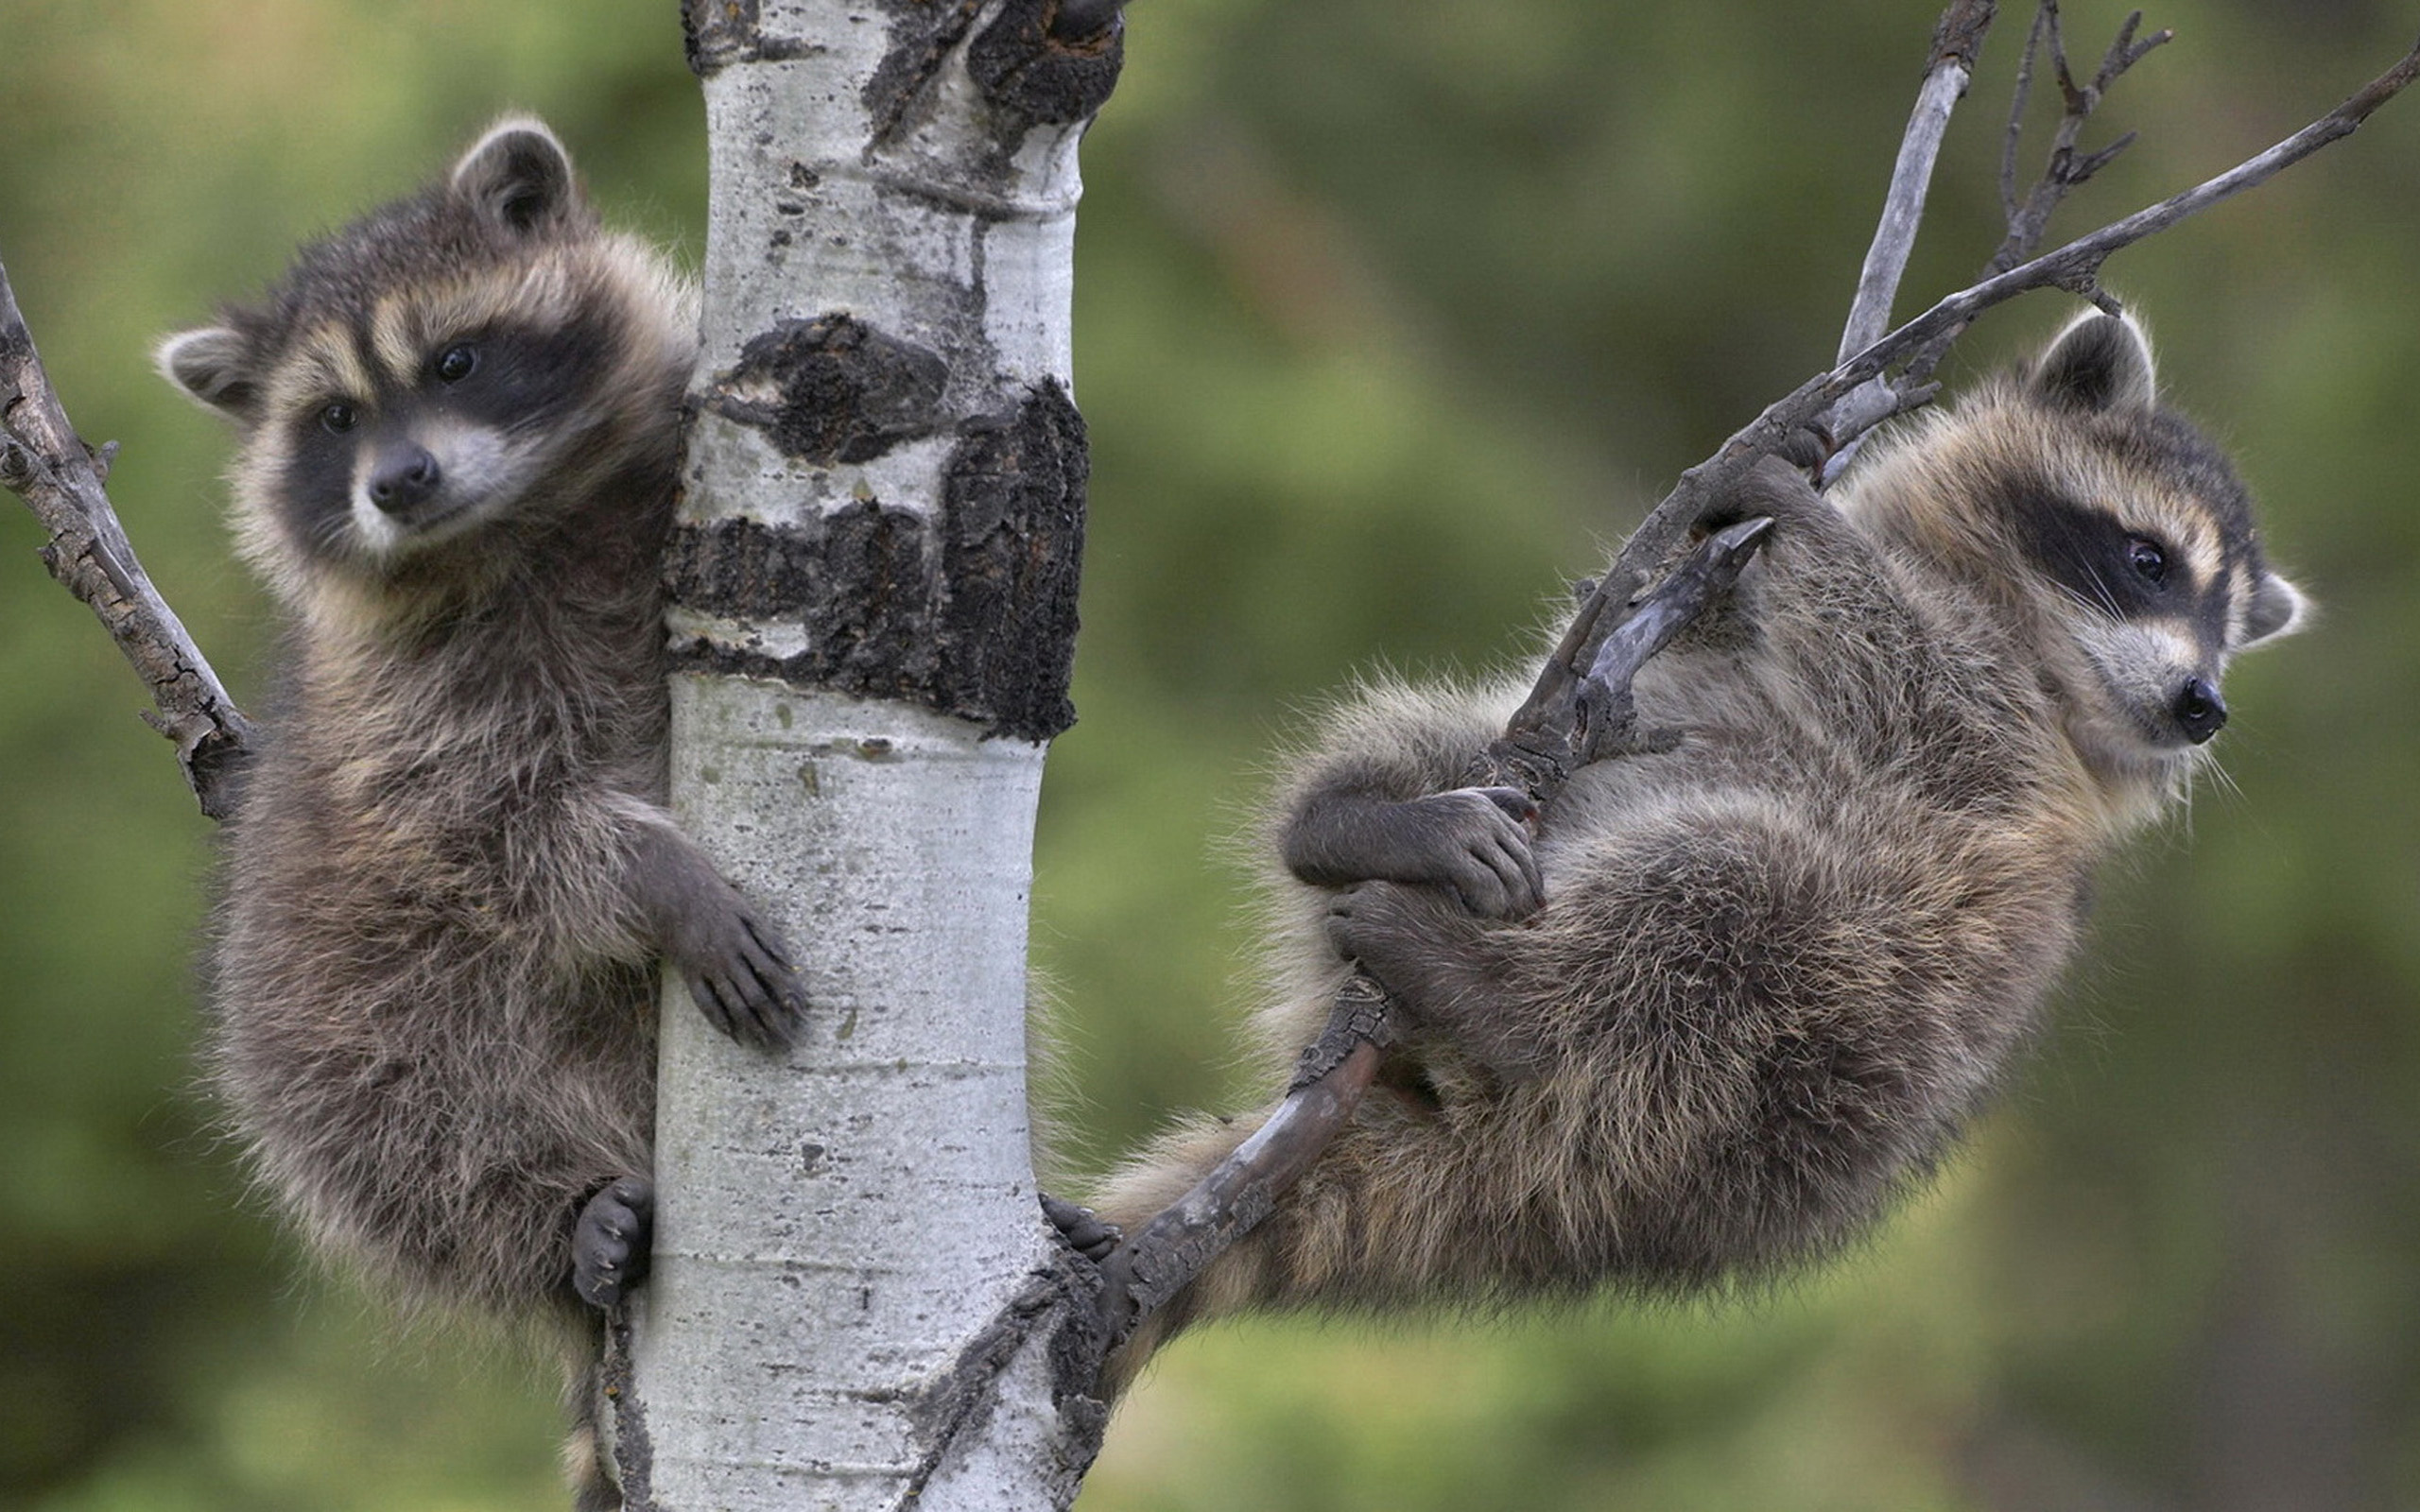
x=2027, y=218
x=2076, y=266
x=45, y=463
x=1957, y=42
x=2065, y=170
x=2010, y=208
x=1156, y=1261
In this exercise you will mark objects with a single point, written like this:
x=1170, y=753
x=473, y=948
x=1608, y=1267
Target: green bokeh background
x=1391, y=315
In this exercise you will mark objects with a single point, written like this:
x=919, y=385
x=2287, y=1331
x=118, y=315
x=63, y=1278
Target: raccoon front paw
x=1081, y=1229
x=1474, y=842
x=1395, y=932
x=740, y=974
x=610, y=1242
x=1482, y=839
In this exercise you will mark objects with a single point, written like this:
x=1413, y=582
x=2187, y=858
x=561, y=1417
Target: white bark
x=839, y=1228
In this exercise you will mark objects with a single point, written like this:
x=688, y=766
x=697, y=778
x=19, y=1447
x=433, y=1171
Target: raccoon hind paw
x=610, y=1242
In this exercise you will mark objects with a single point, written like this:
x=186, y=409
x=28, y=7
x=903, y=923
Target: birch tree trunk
x=874, y=588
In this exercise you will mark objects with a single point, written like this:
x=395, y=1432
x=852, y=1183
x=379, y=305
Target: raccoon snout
x=404, y=479
x=2198, y=710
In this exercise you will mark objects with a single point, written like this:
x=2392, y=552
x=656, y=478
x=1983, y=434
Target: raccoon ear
x=2278, y=608
x=2100, y=362
x=519, y=176
x=213, y=368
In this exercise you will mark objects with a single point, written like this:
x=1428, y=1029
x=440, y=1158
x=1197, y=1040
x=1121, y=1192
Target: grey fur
x=1777, y=968
x=450, y=880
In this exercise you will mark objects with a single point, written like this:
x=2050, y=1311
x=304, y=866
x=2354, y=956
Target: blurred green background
x=1391, y=315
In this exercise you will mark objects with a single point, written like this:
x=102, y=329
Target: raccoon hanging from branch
x=450, y=878
x=1704, y=1016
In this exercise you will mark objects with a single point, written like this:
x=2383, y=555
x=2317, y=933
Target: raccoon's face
x=2144, y=538
x=386, y=439
x=2156, y=598
x=457, y=359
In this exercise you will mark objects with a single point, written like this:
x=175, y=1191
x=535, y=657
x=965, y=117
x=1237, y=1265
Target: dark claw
x=707, y=992
x=740, y=975
x=1806, y=448
x=1081, y=1229
x=610, y=1242
x=770, y=943
x=1083, y=21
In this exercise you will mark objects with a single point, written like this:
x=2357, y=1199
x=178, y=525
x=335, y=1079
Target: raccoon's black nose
x=404, y=476
x=2200, y=710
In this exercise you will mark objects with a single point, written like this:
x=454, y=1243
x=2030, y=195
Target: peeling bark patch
x=874, y=621
x=1036, y=78
x=976, y=620
x=861, y=581
x=833, y=389
x=742, y=570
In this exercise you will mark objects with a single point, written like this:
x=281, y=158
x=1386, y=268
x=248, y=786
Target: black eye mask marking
x=510, y=377
x=2129, y=574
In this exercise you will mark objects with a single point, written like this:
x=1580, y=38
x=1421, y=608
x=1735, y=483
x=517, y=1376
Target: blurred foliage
x=1391, y=315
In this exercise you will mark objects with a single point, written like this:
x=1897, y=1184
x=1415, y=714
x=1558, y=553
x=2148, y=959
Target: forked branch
x=2029, y=217
x=1958, y=41
x=2026, y=217
x=2075, y=267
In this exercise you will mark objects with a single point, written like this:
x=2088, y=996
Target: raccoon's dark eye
x=2147, y=560
x=455, y=363
x=338, y=417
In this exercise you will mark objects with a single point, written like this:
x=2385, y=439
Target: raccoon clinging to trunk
x=1730, y=998
x=450, y=879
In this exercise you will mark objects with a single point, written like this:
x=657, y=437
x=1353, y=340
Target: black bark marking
x=921, y=38
x=1030, y=77
x=1014, y=500
x=976, y=619
x=833, y=389
x=953, y=1408
x=1038, y=80
x=876, y=619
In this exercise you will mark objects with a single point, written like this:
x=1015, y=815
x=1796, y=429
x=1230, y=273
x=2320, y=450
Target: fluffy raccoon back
x=445, y=1035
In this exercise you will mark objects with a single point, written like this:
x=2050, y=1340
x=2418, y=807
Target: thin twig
x=1957, y=42
x=2065, y=170
x=2018, y=96
x=45, y=463
x=2029, y=219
